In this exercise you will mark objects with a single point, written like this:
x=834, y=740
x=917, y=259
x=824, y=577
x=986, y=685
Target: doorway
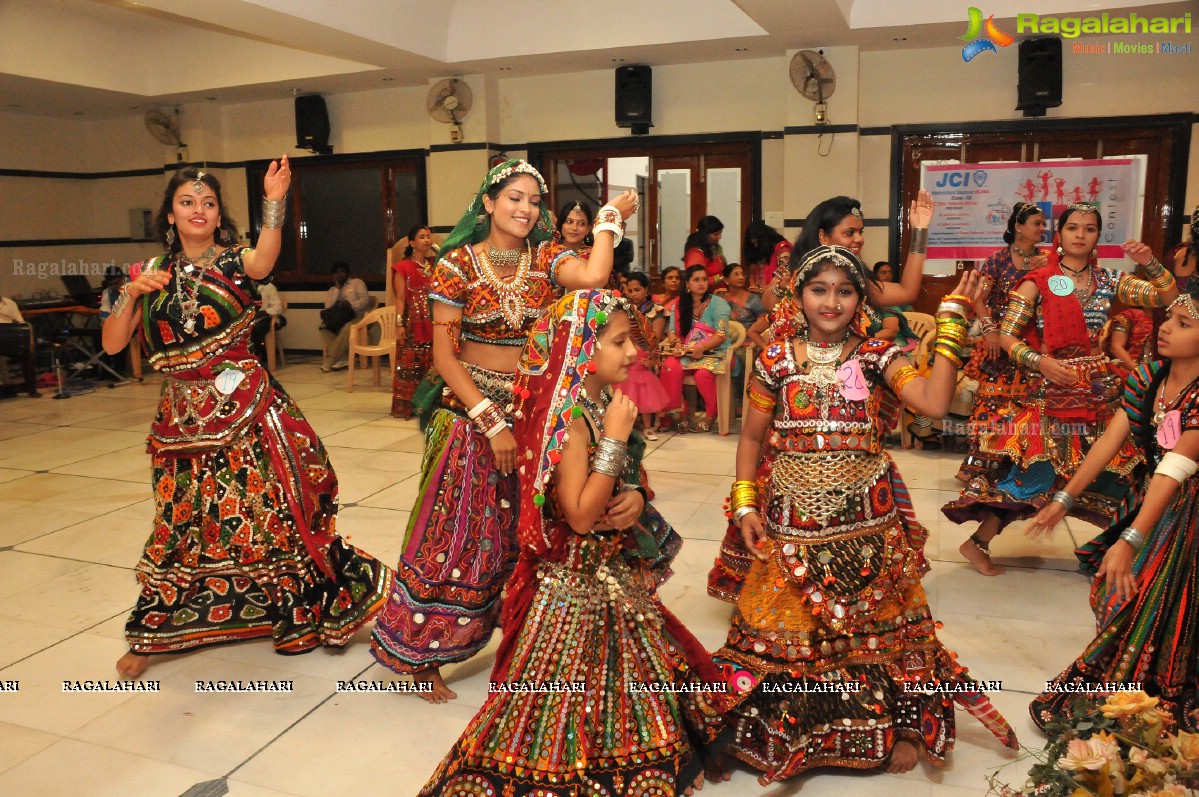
x=678, y=184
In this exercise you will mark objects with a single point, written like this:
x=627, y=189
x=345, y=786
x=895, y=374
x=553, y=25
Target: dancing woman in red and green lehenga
x=245, y=540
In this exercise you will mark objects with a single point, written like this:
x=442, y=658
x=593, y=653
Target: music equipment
x=44, y=303
x=15, y=340
x=81, y=290
x=312, y=124
x=1040, y=75
x=634, y=98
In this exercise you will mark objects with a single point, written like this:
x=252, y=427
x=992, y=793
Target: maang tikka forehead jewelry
x=198, y=186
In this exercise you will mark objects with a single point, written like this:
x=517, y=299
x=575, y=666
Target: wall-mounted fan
x=813, y=77
x=449, y=101
x=166, y=130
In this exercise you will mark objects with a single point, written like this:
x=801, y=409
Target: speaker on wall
x=312, y=124
x=634, y=98
x=1040, y=82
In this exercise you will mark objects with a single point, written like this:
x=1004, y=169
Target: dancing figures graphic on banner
x=976, y=198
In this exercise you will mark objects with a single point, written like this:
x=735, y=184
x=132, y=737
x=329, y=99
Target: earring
x=224, y=236
x=482, y=217
x=170, y=236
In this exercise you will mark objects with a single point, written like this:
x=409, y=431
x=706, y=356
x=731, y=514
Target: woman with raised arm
x=1051, y=328
x=245, y=541
x=498, y=273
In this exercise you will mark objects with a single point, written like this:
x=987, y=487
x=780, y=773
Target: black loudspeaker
x=312, y=124
x=634, y=98
x=1040, y=85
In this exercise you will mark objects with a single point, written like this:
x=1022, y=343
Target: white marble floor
x=75, y=510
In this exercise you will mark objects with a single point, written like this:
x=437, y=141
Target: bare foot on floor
x=904, y=757
x=696, y=785
x=716, y=769
x=132, y=665
x=980, y=559
x=440, y=692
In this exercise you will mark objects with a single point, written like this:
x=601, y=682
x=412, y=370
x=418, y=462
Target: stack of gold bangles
x=953, y=318
x=743, y=500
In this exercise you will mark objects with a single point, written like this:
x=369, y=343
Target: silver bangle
x=610, y=455
x=919, y=241
x=123, y=301
x=1064, y=498
x=273, y=211
x=494, y=430
x=1133, y=537
x=740, y=514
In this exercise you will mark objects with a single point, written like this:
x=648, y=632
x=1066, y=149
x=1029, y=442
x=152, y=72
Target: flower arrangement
x=1124, y=746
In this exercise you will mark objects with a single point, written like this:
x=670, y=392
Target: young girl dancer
x=581, y=606
x=1143, y=594
x=833, y=597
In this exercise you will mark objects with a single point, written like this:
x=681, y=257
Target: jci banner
x=974, y=201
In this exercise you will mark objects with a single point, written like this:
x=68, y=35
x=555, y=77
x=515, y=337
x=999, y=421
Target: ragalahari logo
x=981, y=36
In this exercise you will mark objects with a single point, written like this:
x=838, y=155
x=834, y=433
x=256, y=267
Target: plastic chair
x=724, y=381
x=360, y=344
x=274, y=344
x=925, y=326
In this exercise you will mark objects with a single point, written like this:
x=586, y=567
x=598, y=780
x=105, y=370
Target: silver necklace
x=1026, y=255
x=187, y=286
x=824, y=359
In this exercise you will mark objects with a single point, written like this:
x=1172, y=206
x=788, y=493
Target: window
x=343, y=208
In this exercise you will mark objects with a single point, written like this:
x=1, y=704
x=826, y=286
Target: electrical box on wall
x=141, y=224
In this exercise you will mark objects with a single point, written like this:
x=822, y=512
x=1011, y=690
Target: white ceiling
x=102, y=58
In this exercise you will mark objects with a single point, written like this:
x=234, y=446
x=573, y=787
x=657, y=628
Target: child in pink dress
x=643, y=385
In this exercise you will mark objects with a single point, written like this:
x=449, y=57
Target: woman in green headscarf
x=498, y=274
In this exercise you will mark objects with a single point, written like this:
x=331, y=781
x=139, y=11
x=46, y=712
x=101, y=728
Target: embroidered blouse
x=486, y=303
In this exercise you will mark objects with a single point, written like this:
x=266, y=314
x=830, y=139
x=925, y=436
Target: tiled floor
x=75, y=509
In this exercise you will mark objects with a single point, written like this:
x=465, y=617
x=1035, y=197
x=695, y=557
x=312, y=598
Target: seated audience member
x=345, y=304
x=270, y=313
x=114, y=280
x=11, y=314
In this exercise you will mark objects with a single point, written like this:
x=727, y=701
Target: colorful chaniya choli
x=245, y=541
x=414, y=353
x=594, y=683
x=1049, y=435
x=1002, y=385
x=1148, y=638
x=460, y=543
x=833, y=651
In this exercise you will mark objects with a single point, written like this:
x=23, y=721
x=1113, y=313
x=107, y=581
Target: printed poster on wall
x=974, y=201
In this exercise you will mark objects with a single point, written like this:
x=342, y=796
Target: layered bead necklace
x=510, y=292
